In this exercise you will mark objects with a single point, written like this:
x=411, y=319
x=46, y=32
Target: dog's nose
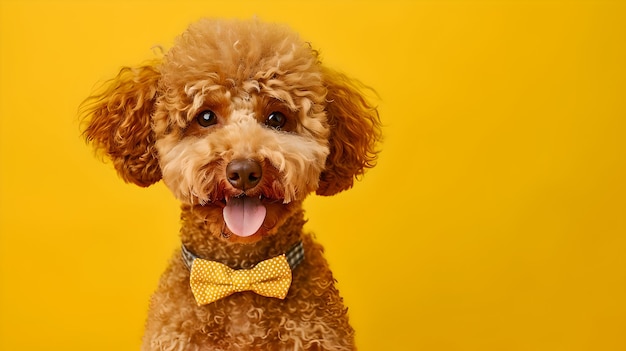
x=244, y=174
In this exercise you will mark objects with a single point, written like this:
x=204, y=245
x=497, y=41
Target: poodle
x=241, y=121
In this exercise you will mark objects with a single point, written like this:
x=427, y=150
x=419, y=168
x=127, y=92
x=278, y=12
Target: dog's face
x=239, y=119
x=246, y=128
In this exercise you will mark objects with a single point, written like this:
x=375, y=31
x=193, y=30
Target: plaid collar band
x=294, y=256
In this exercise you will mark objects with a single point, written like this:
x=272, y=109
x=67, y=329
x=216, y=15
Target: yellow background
x=494, y=221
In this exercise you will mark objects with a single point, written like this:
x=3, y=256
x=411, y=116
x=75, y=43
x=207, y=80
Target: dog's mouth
x=244, y=215
x=250, y=213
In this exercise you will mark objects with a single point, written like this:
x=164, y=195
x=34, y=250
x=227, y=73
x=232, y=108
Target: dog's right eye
x=276, y=120
x=206, y=118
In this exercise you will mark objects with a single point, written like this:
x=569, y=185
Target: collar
x=294, y=256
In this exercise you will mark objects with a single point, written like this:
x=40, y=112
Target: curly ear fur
x=355, y=130
x=118, y=123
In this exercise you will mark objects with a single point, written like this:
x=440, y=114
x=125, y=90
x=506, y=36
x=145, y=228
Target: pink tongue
x=244, y=216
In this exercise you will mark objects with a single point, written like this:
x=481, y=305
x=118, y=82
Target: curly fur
x=243, y=71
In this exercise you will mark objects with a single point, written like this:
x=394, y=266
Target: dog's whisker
x=225, y=235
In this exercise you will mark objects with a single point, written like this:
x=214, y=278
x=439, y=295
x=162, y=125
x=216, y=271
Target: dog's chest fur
x=246, y=321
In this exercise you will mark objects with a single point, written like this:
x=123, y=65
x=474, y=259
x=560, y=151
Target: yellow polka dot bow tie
x=211, y=281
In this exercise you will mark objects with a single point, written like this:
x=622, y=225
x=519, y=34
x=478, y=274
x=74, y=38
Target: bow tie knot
x=241, y=280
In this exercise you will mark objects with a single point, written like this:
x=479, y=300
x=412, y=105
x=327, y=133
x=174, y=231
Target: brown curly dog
x=241, y=121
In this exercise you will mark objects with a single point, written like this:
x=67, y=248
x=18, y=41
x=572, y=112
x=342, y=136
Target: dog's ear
x=355, y=130
x=117, y=122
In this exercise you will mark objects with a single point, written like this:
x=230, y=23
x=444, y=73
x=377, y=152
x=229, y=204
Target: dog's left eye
x=206, y=118
x=276, y=120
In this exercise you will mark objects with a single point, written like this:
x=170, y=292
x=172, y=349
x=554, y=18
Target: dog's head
x=240, y=117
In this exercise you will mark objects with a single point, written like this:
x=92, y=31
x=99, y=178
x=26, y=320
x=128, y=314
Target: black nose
x=244, y=174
